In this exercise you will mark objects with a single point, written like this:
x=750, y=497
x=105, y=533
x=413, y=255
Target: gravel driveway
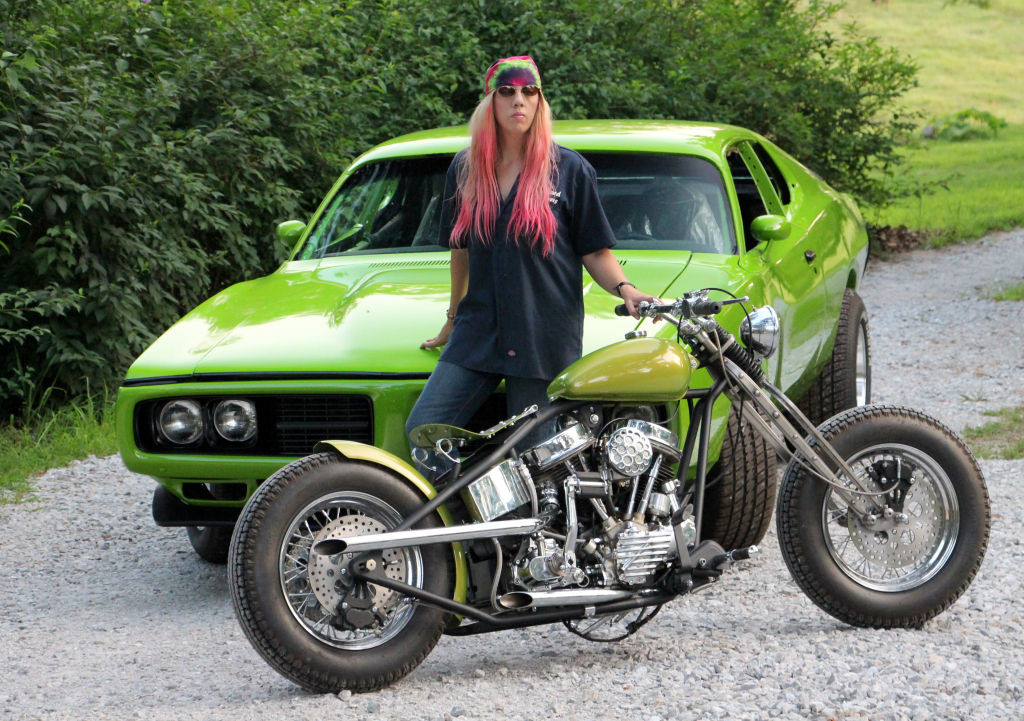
x=104, y=615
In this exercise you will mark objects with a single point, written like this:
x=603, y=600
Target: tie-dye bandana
x=520, y=70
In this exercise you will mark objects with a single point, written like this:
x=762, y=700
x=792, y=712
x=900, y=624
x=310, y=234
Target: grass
x=1000, y=438
x=51, y=439
x=969, y=57
x=1011, y=293
x=979, y=187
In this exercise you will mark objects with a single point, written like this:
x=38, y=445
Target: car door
x=790, y=267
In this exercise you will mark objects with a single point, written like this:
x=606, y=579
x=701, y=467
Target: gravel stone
x=105, y=616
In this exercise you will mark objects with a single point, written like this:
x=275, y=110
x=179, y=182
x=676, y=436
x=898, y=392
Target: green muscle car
x=327, y=346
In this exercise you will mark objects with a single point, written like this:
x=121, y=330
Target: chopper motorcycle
x=346, y=566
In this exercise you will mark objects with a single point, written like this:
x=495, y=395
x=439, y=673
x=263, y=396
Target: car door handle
x=810, y=255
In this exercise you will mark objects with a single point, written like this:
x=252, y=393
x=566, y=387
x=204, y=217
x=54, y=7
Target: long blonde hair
x=478, y=196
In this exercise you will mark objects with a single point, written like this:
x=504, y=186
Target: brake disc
x=331, y=580
x=902, y=544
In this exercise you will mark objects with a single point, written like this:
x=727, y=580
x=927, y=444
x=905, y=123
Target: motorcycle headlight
x=760, y=331
x=235, y=420
x=181, y=422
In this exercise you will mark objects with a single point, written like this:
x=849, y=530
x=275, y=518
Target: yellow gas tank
x=645, y=370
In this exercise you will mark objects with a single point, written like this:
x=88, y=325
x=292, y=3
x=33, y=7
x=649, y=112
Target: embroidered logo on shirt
x=555, y=195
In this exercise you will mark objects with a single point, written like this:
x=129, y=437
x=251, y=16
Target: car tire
x=845, y=379
x=211, y=543
x=740, y=497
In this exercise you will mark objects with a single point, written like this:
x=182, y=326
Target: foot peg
x=736, y=554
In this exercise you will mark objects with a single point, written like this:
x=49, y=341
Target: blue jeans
x=453, y=394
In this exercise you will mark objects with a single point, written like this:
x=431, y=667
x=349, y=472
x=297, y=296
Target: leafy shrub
x=969, y=124
x=154, y=145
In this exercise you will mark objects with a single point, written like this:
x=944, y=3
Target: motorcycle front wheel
x=919, y=549
x=302, y=611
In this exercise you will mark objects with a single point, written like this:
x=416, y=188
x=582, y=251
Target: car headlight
x=235, y=420
x=181, y=422
x=760, y=331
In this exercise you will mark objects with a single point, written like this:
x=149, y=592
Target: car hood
x=353, y=315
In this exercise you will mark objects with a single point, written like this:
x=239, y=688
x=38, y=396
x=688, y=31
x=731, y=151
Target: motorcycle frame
x=697, y=434
x=774, y=416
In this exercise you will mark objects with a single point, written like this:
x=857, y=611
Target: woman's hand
x=633, y=297
x=441, y=338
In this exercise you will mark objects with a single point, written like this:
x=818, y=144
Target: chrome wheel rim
x=895, y=555
x=312, y=583
x=863, y=373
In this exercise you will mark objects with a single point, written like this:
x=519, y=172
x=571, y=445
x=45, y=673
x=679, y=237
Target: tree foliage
x=147, y=149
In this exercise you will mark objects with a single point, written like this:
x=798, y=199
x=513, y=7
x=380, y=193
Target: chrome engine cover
x=571, y=441
x=499, y=491
x=639, y=551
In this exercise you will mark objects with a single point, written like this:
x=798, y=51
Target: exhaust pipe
x=448, y=534
x=544, y=599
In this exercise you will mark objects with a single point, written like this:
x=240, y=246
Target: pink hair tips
x=478, y=196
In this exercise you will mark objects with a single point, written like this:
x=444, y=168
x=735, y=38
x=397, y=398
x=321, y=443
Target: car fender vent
x=408, y=264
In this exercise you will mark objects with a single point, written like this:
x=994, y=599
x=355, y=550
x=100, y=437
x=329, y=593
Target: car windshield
x=653, y=202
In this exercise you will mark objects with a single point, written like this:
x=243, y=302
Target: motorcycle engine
x=607, y=491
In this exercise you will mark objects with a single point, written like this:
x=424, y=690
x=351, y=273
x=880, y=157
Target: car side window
x=755, y=190
x=775, y=175
x=751, y=204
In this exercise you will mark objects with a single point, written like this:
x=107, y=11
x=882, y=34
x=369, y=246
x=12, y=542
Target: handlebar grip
x=706, y=307
x=621, y=310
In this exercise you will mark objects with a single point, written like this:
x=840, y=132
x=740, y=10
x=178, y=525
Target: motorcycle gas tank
x=640, y=369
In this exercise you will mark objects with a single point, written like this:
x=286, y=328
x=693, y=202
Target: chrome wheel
x=319, y=589
x=915, y=530
x=863, y=372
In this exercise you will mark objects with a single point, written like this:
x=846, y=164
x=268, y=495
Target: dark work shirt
x=523, y=313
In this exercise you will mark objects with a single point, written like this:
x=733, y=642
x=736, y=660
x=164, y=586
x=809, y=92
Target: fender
x=356, y=451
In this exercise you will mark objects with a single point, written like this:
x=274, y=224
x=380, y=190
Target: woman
x=522, y=218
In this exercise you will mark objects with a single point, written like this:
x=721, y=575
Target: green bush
x=147, y=149
x=969, y=124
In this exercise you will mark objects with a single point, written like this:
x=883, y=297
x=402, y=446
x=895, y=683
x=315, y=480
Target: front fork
x=777, y=430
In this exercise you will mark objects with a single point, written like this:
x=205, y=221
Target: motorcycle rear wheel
x=288, y=600
x=897, y=571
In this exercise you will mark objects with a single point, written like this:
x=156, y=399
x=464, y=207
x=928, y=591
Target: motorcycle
x=346, y=566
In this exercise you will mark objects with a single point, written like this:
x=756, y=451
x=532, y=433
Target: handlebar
x=682, y=308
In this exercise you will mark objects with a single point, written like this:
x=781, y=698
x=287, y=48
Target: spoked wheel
x=302, y=611
x=922, y=543
x=907, y=545
x=611, y=627
x=318, y=586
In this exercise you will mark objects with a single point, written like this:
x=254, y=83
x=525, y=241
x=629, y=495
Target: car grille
x=300, y=422
x=287, y=425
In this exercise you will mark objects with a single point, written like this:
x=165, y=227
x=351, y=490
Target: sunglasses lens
x=507, y=91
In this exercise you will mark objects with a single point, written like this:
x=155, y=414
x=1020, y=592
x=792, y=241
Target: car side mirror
x=289, y=231
x=769, y=227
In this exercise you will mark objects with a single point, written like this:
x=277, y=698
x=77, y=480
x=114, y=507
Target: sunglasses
x=507, y=91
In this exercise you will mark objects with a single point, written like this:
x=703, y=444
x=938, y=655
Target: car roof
x=654, y=136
